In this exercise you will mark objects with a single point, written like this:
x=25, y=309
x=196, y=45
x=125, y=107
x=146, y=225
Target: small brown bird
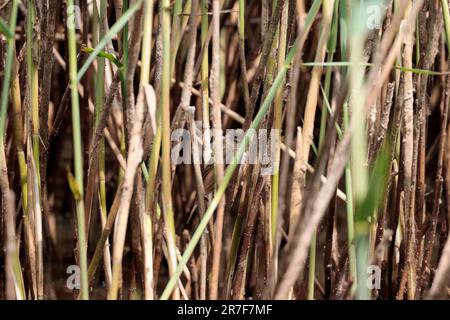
x=208, y=172
x=230, y=145
x=208, y=179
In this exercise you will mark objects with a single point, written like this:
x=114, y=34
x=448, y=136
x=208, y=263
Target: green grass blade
x=5, y=29
x=108, y=36
x=7, y=75
x=103, y=54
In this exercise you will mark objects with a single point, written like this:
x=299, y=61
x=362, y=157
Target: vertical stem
x=206, y=131
x=350, y=213
x=18, y=134
x=310, y=111
x=125, y=37
x=166, y=163
x=78, y=156
x=14, y=281
x=408, y=154
x=218, y=147
x=242, y=18
x=33, y=87
x=176, y=33
x=242, y=60
x=205, y=80
x=146, y=220
x=146, y=53
x=99, y=101
x=7, y=72
x=331, y=47
x=277, y=123
x=359, y=146
x=19, y=139
x=123, y=138
x=12, y=255
x=33, y=81
x=446, y=14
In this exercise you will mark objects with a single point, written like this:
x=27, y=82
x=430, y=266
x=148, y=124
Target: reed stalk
x=146, y=220
x=78, y=155
x=13, y=268
x=165, y=123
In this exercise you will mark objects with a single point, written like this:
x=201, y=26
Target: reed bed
x=116, y=175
